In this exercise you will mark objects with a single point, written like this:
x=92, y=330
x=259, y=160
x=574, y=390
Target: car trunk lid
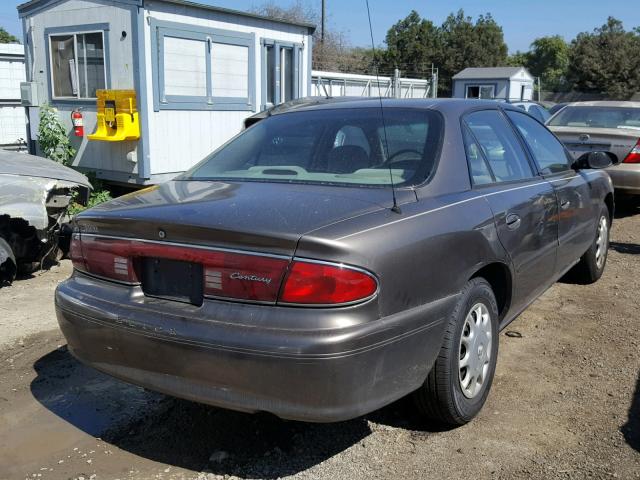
x=254, y=216
x=583, y=140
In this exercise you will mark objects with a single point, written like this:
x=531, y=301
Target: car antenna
x=395, y=207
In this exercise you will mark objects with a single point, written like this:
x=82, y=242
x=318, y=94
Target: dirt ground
x=565, y=404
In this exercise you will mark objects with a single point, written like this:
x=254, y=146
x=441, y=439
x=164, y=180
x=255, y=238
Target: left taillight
x=105, y=257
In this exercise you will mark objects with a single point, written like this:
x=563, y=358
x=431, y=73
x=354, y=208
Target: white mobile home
x=506, y=83
x=197, y=71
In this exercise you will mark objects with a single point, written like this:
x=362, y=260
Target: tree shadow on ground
x=191, y=435
x=631, y=430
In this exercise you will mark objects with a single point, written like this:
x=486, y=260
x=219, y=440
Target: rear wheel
x=459, y=382
x=592, y=263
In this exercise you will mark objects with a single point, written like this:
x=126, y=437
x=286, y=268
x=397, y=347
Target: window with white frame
x=281, y=72
x=198, y=68
x=77, y=62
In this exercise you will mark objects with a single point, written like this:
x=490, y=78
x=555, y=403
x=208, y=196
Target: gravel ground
x=565, y=404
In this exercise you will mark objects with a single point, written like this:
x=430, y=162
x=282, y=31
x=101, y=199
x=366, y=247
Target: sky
x=522, y=21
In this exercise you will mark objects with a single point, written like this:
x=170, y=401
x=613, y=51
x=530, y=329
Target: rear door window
x=499, y=145
x=478, y=168
x=547, y=150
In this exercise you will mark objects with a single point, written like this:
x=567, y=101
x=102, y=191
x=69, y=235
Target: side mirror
x=595, y=160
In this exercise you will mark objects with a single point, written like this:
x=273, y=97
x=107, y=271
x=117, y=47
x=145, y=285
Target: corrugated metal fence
x=13, y=120
x=335, y=84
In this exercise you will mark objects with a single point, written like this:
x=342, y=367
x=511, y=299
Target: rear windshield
x=339, y=146
x=597, y=117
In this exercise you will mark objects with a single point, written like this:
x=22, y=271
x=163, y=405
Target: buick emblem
x=162, y=234
x=584, y=137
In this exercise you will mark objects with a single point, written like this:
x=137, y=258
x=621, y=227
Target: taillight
x=309, y=283
x=228, y=274
x=634, y=155
x=108, y=258
x=225, y=274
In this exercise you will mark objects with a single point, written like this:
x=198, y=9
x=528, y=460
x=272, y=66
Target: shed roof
x=490, y=72
x=28, y=7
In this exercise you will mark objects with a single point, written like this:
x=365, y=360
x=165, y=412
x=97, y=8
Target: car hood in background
x=12, y=163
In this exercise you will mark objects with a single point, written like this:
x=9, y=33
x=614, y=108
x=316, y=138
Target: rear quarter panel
x=424, y=254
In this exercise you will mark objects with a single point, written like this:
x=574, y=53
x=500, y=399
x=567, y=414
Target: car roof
x=441, y=104
x=605, y=103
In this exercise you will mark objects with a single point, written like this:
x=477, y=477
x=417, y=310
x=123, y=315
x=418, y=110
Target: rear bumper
x=319, y=375
x=626, y=177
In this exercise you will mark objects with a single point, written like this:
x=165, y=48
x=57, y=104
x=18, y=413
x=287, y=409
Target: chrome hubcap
x=475, y=350
x=602, y=240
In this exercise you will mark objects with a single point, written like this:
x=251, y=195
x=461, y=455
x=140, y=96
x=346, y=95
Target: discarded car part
x=35, y=194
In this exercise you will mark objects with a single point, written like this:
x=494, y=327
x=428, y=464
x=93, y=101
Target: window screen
x=230, y=70
x=200, y=68
x=185, y=67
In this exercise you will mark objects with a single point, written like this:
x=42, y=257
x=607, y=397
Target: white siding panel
x=185, y=67
x=11, y=74
x=181, y=138
x=13, y=123
x=230, y=70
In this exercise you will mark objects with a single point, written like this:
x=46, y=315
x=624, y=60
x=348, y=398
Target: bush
x=52, y=137
x=99, y=195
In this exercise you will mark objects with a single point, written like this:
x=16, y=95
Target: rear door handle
x=513, y=221
x=565, y=204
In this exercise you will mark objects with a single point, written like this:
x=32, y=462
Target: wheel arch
x=500, y=279
x=610, y=203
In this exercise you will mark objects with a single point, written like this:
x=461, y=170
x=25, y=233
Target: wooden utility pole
x=322, y=22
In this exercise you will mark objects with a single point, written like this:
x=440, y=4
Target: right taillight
x=634, y=155
x=311, y=283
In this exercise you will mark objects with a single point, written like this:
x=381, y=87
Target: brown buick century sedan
x=337, y=256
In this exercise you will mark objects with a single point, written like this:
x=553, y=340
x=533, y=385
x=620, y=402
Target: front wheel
x=459, y=382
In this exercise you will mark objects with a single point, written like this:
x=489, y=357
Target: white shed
x=506, y=83
x=197, y=71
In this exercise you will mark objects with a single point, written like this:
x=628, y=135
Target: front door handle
x=513, y=221
x=565, y=204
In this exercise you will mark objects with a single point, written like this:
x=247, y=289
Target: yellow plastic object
x=117, y=116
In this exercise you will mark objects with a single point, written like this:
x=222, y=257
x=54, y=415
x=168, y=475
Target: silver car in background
x=604, y=125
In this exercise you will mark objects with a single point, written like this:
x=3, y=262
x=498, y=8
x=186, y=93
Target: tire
x=591, y=265
x=442, y=398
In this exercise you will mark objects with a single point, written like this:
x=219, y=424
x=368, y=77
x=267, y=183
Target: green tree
x=549, y=60
x=606, y=61
x=413, y=44
x=518, y=59
x=6, y=37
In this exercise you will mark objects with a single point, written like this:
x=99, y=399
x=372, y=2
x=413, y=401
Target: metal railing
x=335, y=84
